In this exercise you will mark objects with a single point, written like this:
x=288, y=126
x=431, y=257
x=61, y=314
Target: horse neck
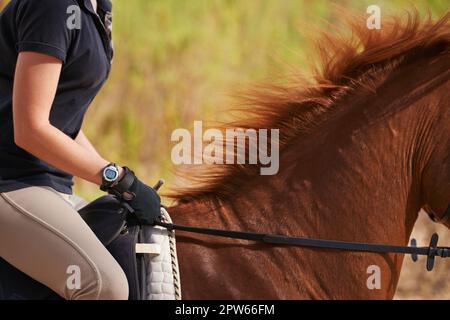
x=340, y=186
x=354, y=179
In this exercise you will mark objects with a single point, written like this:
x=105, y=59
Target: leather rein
x=430, y=252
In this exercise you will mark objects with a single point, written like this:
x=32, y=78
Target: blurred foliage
x=178, y=61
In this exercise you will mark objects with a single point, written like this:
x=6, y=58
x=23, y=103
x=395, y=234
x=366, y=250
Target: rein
x=431, y=251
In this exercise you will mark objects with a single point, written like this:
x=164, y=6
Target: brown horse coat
x=363, y=149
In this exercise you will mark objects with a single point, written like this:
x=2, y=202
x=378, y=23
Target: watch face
x=110, y=173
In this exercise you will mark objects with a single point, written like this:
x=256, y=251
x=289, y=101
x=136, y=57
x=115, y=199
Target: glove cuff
x=122, y=188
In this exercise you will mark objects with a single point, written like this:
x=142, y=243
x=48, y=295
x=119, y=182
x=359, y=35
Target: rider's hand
x=143, y=199
x=146, y=202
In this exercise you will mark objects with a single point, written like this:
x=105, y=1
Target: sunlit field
x=180, y=61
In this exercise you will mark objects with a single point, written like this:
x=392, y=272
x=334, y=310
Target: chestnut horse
x=362, y=150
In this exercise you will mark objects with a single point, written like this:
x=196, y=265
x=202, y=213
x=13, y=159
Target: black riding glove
x=143, y=199
x=146, y=202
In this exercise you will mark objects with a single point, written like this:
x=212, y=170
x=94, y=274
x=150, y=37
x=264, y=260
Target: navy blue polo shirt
x=73, y=32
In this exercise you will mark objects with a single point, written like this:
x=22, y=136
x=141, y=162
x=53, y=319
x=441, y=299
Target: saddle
x=146, y=254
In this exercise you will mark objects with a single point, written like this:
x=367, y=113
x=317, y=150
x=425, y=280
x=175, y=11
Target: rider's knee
x=110, y=284
x=114, y=286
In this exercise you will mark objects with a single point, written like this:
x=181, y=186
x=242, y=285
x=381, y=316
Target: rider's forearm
x=52, y=146
x=83, y=141
x=35, y=83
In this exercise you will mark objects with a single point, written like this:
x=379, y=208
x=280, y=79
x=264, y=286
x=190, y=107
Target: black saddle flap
x=106, y=216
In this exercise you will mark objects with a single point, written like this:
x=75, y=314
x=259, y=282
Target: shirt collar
x=106, y=5
x=103, y=5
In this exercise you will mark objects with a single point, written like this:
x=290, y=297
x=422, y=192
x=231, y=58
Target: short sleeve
x=42, y=27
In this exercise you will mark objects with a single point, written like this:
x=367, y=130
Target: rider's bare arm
x=84, y=141
x=35, y=84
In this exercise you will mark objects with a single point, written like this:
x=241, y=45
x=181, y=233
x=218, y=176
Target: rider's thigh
x=42, y=235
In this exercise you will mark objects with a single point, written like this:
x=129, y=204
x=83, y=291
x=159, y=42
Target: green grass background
x=178, y=61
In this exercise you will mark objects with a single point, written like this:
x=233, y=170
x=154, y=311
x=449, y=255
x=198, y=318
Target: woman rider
x=55, y=56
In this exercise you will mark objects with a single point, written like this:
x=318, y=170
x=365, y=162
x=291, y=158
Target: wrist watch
x=115, y=186
x=110, y=174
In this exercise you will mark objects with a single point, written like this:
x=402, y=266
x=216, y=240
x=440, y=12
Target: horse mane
x=360, y=62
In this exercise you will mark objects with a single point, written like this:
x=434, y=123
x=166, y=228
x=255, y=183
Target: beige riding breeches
x=42, y=234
